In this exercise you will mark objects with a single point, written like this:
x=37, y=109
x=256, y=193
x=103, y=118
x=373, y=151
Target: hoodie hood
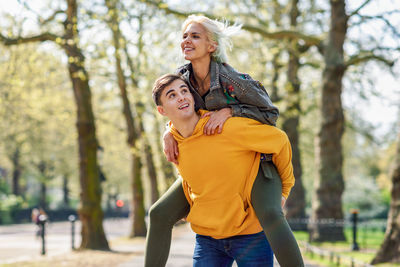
x=198, y=129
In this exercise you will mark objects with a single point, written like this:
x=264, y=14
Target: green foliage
x=8, y=203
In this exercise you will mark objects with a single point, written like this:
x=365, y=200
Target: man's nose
x=180, y=97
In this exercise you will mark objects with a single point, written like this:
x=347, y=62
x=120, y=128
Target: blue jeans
x=247, y=250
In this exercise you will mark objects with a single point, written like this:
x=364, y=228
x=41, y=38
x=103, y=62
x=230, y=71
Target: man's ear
x=160, y=110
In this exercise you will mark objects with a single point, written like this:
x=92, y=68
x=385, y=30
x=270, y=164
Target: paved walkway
x=19, y=243
x=181, y=250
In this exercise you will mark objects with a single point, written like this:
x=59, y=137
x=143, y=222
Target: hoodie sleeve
x=253, y=135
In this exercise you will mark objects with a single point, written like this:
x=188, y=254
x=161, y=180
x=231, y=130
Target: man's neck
x=186, y=127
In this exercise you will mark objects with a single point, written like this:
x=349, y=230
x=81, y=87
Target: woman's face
x=195, y=43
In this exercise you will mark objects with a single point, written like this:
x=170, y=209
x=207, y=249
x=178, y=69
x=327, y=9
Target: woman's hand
x=283, y=201
x=170, y=147
x=217, y=120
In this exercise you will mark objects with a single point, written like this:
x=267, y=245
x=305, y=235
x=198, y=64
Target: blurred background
x=79, y=132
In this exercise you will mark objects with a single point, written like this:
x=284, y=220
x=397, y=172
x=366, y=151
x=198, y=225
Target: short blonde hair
x=218, y=32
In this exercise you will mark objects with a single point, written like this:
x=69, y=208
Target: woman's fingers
x=207, y=114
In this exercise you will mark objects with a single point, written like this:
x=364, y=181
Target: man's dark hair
x=161, y=83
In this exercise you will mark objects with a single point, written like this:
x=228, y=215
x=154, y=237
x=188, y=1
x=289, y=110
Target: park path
x=182, y=248
x=18, y=242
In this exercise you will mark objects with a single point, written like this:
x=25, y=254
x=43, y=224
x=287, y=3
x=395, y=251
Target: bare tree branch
x=52, y=17
x=359, y=8
x=20, y=40
x=278, y=35
x=382, y=17
x=357, y=59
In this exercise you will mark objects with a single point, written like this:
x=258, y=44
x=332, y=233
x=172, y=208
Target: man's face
x=177, y=102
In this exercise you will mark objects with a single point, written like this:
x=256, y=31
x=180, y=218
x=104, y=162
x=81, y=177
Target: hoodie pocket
x=219, y=217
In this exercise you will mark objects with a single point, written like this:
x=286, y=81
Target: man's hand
x=170, y=147
x=217, y=120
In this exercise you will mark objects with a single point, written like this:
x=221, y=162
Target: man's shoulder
x=240, y=123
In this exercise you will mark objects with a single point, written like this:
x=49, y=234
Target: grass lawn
x=369, y=242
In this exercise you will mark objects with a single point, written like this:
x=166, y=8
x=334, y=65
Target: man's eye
x=171, y=95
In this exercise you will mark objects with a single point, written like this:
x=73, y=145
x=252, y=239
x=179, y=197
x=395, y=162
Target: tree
x=296, y=204
x=330, y=185
x=389, y=250
x=138, y=211
x=90, y=212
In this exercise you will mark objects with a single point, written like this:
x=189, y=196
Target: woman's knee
x=158, y=214
x=269, y=214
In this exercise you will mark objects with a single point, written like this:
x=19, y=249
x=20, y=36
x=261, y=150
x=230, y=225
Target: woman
x=218, y=87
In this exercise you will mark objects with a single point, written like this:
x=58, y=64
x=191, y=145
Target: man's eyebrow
x=183, y=85
x=170, y=91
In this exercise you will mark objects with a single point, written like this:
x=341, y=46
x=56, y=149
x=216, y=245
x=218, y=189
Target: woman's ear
x=212, y=47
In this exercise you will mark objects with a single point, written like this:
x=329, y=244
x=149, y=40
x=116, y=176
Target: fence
x=24, y=215
x=334, y=258
x=360, y=229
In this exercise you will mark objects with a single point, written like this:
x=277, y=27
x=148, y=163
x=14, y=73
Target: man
x=218, y=173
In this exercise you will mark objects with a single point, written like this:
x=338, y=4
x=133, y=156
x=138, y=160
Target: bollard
x=42, y=223
x=354, y=246
x=72, y=219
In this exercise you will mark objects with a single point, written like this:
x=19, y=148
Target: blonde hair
x=218, y=32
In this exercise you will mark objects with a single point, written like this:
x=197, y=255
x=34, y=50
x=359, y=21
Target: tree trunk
x=139, y=225
x=390, y=248
x=151, y=170
x=295, y=205
x=43, y=195
x=140, y=108
x=16, y=173
x=65, y=191
x=90, y=212
x=329, y=186
x=276, y=64
x=42, y=166
x=134, y=132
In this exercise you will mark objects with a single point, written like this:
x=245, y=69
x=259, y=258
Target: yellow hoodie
x=219, y=170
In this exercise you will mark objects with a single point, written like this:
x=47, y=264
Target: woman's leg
x=169, y=209
x=266, y=200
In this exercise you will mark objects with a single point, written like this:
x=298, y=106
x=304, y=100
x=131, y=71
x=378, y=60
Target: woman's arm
x=217, y=120
x=247, y=97
x=170, y=147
